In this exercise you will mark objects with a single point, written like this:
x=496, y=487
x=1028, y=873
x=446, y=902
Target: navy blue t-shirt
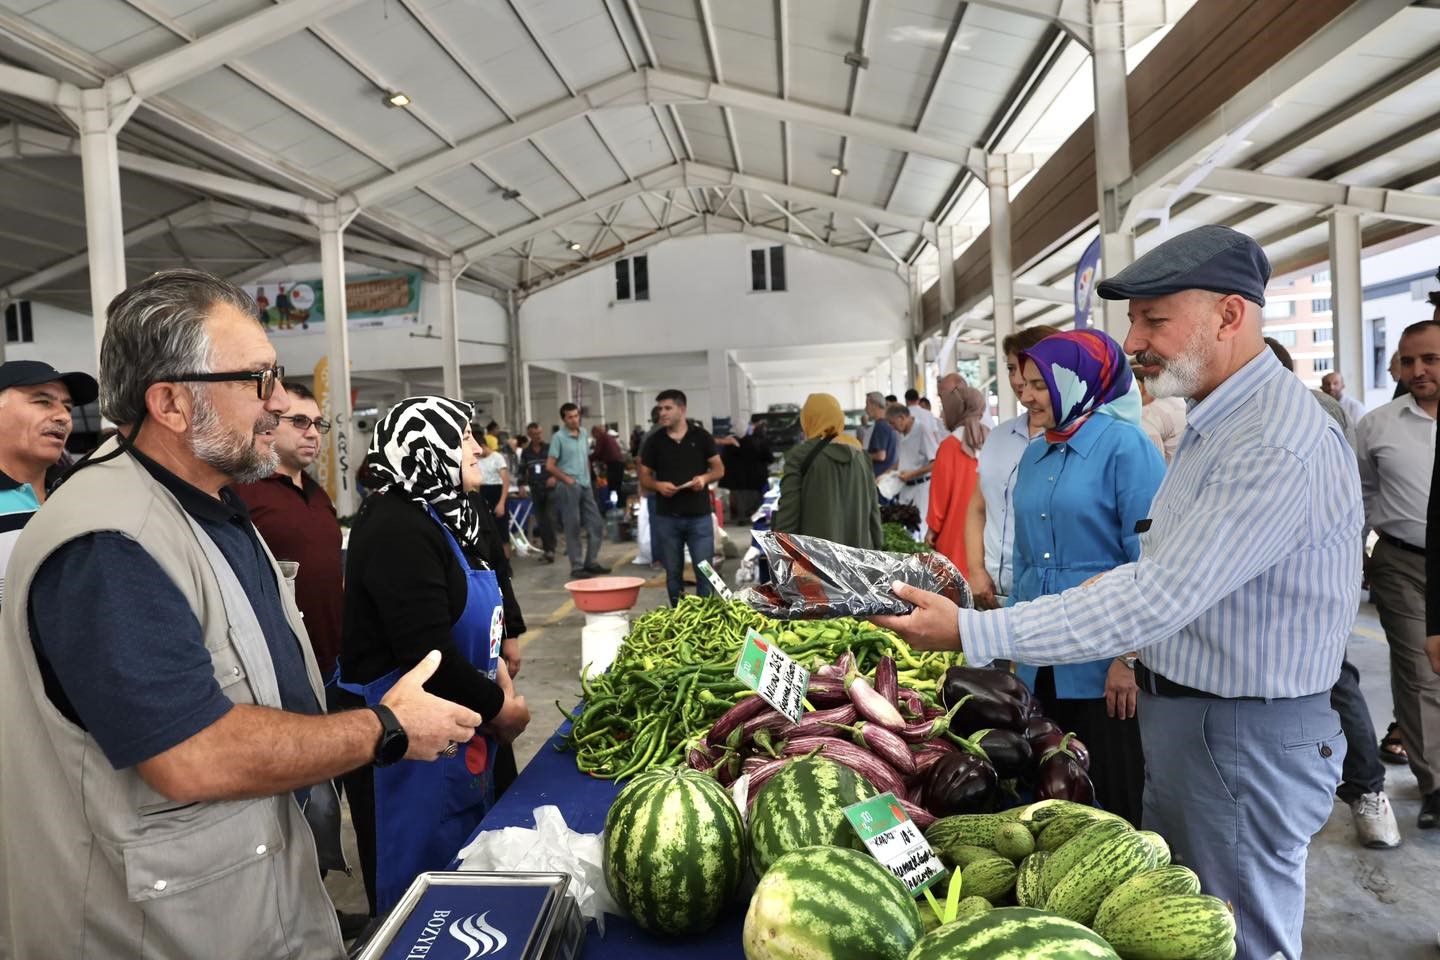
x=883, y=437
x=129, y=664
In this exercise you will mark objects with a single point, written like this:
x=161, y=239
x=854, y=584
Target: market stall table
x=551, y=778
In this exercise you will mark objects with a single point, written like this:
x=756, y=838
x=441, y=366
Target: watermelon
x=1079, y=893
x=1176, y=927
x=1013, y=933
x=830, y=902
x=1165, y=881
x=674, y=850
x=804, y=806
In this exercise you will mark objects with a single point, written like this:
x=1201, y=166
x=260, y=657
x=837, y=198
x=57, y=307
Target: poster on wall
x=294, y=307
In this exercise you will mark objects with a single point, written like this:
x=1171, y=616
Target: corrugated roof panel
x=870, y=172
x=143, y=46
x=813, y=153
x=207, y=17
x=821, y=33
x=522, y=168
x=582, y=39
x=676, y=35
x=506, y=59
x=90, y=25
x=760, y=145
x=745, y=35
x=635, y=135
x=708, y=138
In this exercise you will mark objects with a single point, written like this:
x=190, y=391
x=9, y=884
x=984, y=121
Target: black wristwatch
x=393, y=741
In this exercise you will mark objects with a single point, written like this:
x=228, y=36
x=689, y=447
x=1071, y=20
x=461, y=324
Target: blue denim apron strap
x=425, y=811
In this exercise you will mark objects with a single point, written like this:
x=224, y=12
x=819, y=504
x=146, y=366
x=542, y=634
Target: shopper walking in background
x=494, y=492
x=609, y=463
x=1334, y=385
x=883, y=447
x=915, y=457
x=539, y=484
x=747, y=470
x=569, y=463
x=953, y=478
x=827, y=485
x=990, y=527
x=679, y=462
x=1079, y=496
x=1396, y=448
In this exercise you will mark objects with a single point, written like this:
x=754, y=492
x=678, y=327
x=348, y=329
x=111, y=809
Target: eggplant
x=731, y=720
x=984, y=681
x=921, y=817
x=826, y=691
x=821, y=723
x=1038, y=726
x=911, y=704
x=1009, y=753
x=927, y=754
x=987, y=712
x=1049, y=743
x=921, y=731
x=872, y=705
x=880, y=774
x=887, y=745
x=771, y=720
x=887, y=681
x=1061, y=777
x=960, y=783
x=700, y=757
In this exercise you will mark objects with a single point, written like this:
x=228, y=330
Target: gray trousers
x=1239, y=787
x=575, y=506
x=1397, y=586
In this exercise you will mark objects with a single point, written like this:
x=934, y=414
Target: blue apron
x=425, y=811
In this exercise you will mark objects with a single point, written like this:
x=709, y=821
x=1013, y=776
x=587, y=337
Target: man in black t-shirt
x=541, y=486
x=678, y=462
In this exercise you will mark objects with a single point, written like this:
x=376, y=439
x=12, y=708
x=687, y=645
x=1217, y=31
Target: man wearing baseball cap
x=35, y=404
x=1240, y=604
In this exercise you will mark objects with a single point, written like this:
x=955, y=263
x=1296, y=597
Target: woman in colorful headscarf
x=827, y=485
x=1078, y=497
x=416, y=581
x=956, y=469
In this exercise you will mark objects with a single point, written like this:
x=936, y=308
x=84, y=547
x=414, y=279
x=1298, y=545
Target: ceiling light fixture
x=837, y=171
x=396, y=98
x=510, y=193
x=573, y=246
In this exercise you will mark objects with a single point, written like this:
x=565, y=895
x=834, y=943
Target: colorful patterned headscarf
x=417, y=447
x=1087, y=372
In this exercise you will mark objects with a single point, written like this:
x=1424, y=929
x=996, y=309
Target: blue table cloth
x=551, y=778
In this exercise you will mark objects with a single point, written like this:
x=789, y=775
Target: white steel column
x=99, y=123
x=626, y=417
x=600, y=401
x=527, y=402
x=516, y=370
x=1347, y=300
x=564, y=392
x=719, y=362
x=449, y=329
x=1002, y=277
x=945, y=245
x=1112, y=151
x=332, y=271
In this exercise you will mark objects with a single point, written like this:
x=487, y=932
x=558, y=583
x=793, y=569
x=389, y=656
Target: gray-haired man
x=157, y=735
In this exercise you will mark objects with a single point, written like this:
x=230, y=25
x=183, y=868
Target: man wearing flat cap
x=35, y=404
x=1242, y=599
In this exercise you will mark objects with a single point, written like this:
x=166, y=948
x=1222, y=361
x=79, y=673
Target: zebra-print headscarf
x=417, y=447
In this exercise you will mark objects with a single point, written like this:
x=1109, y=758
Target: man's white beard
x=1182, y=376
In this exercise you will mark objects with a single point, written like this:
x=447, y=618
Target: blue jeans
x=1239, y=787
x=674, y=534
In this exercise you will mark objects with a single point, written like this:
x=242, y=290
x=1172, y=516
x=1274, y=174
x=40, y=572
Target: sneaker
x=580, y=573
x=596, y=568
x=1429, y=811
x=1375, y=821
x=549, y=556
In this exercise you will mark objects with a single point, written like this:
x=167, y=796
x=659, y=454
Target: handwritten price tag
x=895, y=841
x=769, y=671
x=708, y=572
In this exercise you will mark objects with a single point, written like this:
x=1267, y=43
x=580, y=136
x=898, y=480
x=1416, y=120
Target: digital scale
x=470, y=915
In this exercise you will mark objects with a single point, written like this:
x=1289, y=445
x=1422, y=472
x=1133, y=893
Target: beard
x=232, y=453
x=1181, y=377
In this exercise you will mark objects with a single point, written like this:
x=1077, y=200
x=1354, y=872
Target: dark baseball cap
x=29, y=373
x=1213, y=258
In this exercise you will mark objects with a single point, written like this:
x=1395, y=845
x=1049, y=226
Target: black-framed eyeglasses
x=302, y=423
x=265, y=380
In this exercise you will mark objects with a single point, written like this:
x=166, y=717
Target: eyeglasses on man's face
x=265, y=380
x=302, y=423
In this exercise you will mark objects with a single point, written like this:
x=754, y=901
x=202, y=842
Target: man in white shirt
x=917, y=456
x=1395, y=445
x=1334, y=384
x=928, y=423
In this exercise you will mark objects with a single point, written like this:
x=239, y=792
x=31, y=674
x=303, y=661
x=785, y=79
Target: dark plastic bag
x=815, y=579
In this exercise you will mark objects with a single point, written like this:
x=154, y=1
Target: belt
x=1151, y=682
x=916, y=483
x=1397, y=542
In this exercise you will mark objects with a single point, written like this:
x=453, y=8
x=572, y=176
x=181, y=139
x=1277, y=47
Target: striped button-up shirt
x=1249, y=574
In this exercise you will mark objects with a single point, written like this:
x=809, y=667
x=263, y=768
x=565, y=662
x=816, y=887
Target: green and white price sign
x=770, y=672
x=718, y=583
x=895, y=841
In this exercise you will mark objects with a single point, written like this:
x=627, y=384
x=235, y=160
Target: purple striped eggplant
x=872, y=705
x=772, y=720
x=922, y=731
x=731, y=720
x=921, y=817
x=880, y=774
x=821, y=723
x=700, y=756
x=887, y=680
x=886, y=744
x=826, y=691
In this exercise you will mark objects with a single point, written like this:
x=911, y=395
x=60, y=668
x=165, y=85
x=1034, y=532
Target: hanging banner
x=1086, y=272
x=324, y=469
x=295, y=307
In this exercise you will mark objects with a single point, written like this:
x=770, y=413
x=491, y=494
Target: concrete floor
x=1362, y=904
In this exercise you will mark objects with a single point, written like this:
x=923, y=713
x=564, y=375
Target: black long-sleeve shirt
x=1432, y=550
x=404, y=590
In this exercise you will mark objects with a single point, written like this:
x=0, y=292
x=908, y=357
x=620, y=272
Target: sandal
x=1392, y=748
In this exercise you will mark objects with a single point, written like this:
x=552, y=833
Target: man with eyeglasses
x=295, y=516
x=163, y=715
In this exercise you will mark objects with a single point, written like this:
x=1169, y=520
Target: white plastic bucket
x=600, y=640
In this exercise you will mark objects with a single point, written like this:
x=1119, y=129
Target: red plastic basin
x=605, y=594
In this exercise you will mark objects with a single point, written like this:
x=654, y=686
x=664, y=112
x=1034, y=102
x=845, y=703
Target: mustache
x=267, y=423
x=1150, y=360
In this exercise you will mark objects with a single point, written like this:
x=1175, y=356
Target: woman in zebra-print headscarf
x=415, y=582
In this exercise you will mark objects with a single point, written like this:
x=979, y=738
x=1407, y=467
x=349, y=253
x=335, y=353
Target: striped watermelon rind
x=1013, y=933
x=804, y=806
x=674, y=850
x=830, y=902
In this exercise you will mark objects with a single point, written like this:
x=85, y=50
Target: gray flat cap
x=1211, y=258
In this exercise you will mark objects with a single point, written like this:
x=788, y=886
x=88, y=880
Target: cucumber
x=1028, y=892
x=1076, y=849
x=1171, y=880
x=1183, y=927
x=992, y=879
x=1079, y=894
x=975, y=829
x=1014, y=841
